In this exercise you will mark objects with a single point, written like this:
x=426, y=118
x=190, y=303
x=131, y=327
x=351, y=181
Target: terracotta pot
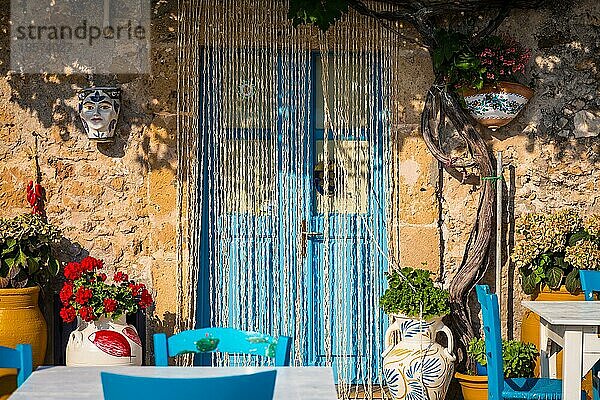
x=414, y=365
x=473, y=387
x=21, y=321
x=530, y=328
x=104, y=342
x=495, y=106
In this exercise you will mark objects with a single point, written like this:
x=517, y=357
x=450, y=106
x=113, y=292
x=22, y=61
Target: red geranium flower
x=121, y=277
x=68, y=314
x=66, y=292
x=136, y=288
x=83, y=295
x=73, y=271
x=87, y=314
x=110, y=305
x=146, y=299
x=87, y=294
x=90, y=264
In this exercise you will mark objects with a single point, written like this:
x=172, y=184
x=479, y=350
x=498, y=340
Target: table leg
x=572, y=363
x=547, y=352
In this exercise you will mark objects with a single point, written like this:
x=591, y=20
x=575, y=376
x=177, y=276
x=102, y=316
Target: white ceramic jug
x=414, y=365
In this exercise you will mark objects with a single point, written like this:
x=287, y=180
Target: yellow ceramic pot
x=21, y=321
x=474, y=387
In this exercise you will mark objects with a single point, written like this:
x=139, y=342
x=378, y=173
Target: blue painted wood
x=356, y=304
x=590, y=283
x=258, y=386
x=509, y=388
x=225, y=340
x=269, y=239
x=19, y=358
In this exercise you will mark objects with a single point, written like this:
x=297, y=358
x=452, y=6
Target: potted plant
x=413, y=362
x=485, y=75
x=549, y=251
x=26, y=264
x=102, y=336
x=518, y=362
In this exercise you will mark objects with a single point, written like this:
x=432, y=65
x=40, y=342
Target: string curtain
x=286, y=194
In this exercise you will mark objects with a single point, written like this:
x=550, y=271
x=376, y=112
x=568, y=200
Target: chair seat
x=533, y=388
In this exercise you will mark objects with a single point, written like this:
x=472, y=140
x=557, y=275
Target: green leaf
x=53, y=266
x=577, y=236
x=572, y=282
x=21, y=259
x=10, y=262
x=33, y=265
x=554, y=277
x=528, y=282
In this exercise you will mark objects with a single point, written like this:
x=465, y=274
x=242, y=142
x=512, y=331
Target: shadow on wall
x=165, y=325
x=52, y=98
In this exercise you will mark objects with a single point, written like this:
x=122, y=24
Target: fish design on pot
x=104, y=342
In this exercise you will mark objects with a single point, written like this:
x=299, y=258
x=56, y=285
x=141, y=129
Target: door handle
x=305, y=235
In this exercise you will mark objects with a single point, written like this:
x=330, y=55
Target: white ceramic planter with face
x=99, y=110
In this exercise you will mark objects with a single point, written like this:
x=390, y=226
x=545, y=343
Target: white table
x=83, y=383
x=572, y=325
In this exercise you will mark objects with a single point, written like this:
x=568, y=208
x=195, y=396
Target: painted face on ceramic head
x=99, y=110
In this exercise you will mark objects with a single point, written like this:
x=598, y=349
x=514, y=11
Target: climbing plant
x=444, y=28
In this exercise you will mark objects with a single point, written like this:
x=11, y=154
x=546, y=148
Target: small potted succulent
x=27, y=264
x=487, y=75
x=100, y=304
x=518, y=362
x=416, y=306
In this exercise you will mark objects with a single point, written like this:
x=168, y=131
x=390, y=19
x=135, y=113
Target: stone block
x=587, y=124
x=420, y=244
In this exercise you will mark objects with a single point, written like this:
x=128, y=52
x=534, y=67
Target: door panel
x=288, y=253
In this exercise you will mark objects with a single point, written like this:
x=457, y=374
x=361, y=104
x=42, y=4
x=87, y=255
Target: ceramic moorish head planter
x=99, y=110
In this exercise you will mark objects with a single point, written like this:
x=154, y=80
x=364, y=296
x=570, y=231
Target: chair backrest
x=20, y=358
x=226, y=340
x=590, y=283
x=258, y=386
x=493, y=340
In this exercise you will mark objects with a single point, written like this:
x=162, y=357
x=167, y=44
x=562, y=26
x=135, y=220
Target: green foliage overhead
x=518, y=357
x=322, y=13
x=409, y=290
x=25, y=251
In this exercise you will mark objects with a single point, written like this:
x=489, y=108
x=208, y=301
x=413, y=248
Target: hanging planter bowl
x=497, y=105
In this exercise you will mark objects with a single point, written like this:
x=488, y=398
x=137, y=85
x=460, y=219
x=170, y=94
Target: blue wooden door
x=294, y=213
x=346, y=234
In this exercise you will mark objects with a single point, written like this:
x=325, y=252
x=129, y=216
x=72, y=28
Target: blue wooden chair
x=258, y=386
x=20, y=358
x=226, y=340
x=498, y=386
x=590, y=283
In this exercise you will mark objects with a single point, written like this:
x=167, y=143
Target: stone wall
x=551, y=151
x=118, y=201
x=113, y=201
